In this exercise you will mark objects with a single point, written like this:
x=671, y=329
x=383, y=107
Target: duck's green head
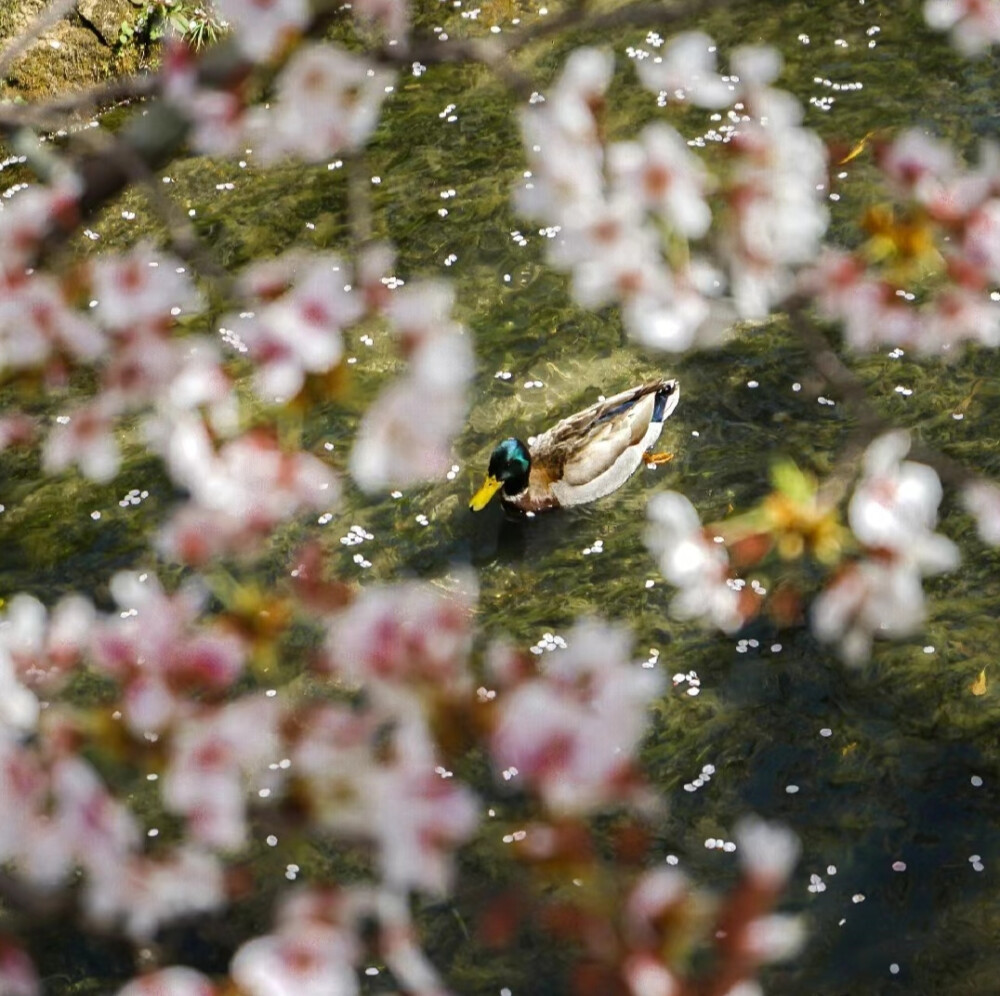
x=510, y=465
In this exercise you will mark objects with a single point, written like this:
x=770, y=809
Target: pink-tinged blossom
x=36, y=324
x=17, y=974
x=141, y=288
x=44, y=648
x=775, y=937
x=918, y=165
x=571, y=732
x=685, y=69
x=252, y=478
x=327, y=101
x=868, y=308
x=692, y=563
x=894, y=506
x=413, y=815
x=777, y=213
x=300, y=332
x=216, y=115
x=982, y=501
x=892, y=513
x=18, y=705
x=562, y=138
x=263, y=28
x=873, y=597
x=197, y=383
x=177, y=980
x=95, y=827
x=768, y=852
x=157, y=651
x=420, y=312
x=141, y=367
x=666, y=175
x=418, y=819
x=396, y=446
x=17, y=429
x=28, y=218
x=143, y=894
x=645, y=974
x=653, y=898
x=314, y=959
x=23, y=796
x=974, y=24
x=86, y=440
x=399, y=944
x=214, y=756
x=407, y=635
x=981, y=238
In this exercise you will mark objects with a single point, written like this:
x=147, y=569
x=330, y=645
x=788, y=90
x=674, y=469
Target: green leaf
x=792, y=482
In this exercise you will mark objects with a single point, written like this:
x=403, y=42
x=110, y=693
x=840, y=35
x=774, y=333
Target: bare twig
x=852, y=390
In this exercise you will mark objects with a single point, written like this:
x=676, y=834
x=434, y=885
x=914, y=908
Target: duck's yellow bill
x=482, y=497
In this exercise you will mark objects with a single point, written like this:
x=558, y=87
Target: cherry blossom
x=141, y=288
x=686, y=70
x=238, y=493
x=327, y=101
x=404, y=635
x=892, y=512
x=42, y=647
x=395, y=448
x=669, y=177
x=768, y=851
x=85, y=439
x=157, y=652
x=145, y=893
x=216, y=115
x=894, y=506
x=314, y=960
x=691, y=562
x=571, y=731
x=873, y=597
x=939, y=236
x=299, y=332
x=36, y=325
x=17, y=974
x=264, y=27
x=776, y=194
x=982, y=500
x=29, y=217
x=213, y=755
x=418, y=818
x=974, y=24
x=414, y=816
x=174, y=981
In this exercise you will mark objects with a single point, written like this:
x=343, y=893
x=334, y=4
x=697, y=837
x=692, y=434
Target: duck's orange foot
x=656, y=459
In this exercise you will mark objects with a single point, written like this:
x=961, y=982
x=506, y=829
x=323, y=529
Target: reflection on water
x=889, y=774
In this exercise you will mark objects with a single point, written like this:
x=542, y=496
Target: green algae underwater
x=891, y=766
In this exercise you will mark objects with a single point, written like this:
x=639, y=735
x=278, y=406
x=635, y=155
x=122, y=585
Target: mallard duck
x=584, y=457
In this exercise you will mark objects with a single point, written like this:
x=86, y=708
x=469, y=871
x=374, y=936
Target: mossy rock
x=69, y=56
x=105, y=17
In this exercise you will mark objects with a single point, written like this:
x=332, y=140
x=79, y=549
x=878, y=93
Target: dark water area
x=896, y=762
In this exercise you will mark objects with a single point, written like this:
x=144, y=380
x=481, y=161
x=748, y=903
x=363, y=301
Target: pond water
x=894, y=763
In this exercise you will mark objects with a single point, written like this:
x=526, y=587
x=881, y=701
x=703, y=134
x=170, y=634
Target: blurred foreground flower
x=925, y=278
x=692, y=562
x=892, y=513
x=571, y=731
x=974, y=24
